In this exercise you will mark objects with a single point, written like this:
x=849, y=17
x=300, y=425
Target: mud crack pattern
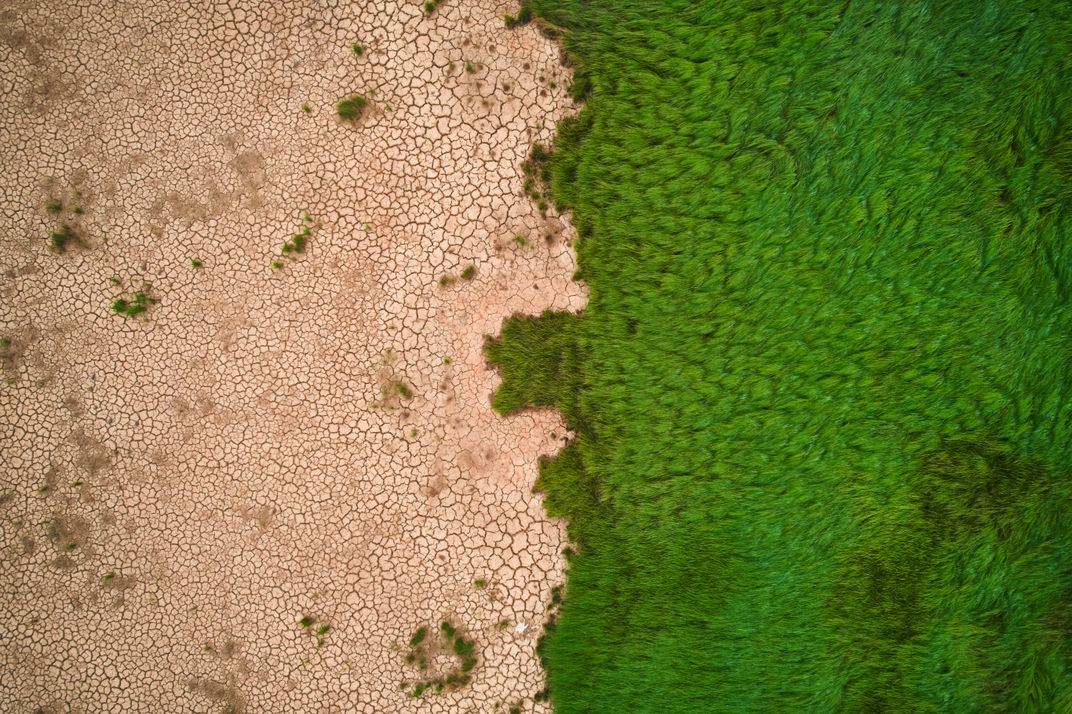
x=269, y=446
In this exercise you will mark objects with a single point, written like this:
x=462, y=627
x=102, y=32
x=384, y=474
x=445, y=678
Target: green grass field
x=822, y=387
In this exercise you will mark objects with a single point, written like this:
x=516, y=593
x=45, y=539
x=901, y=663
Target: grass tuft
x=351, y=108
x=64, y=238
x=134, y=305
x=523, y=17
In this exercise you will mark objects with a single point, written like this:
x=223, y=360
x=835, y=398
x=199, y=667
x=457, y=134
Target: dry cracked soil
x=249, y=496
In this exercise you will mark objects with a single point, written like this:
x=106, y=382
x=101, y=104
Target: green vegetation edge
x=821, y=388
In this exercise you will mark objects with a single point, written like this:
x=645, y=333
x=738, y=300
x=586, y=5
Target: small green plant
x=108, y=577
x=403, y=390
x=65, y=237
x=446, y=281
x=306, y=108
x=524, y=16
x=297, y=242
x=480, y=584
x=422, y=650
x=321, y=631
x=469, y=68
x=431, y=6
x=351, y=108
x=196, y=263
x=469, y=272
x=537, y=170
x=357, y=49
x=520, y=240
x=133, y=306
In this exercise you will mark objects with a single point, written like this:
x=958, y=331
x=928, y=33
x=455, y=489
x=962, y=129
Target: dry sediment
x=180, y=488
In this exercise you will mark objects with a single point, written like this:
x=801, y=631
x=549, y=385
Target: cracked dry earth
x=180, y=489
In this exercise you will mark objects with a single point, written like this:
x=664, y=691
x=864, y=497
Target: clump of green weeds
x=68, y=234
x=468, y=273
x=351, y=108
x=537, y=171
x=132, y=306
x=316, y=628
x=523, y=17
x=423, y=648
x=297, y=242
x=63, y=238
x=135, y=302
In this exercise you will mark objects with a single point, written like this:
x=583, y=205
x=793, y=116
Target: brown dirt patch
x=227, y=463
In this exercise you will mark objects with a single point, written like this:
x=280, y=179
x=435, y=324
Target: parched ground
x=178, y=490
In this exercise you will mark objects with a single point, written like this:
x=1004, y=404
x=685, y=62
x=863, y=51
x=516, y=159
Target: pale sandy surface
x=179, y=489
